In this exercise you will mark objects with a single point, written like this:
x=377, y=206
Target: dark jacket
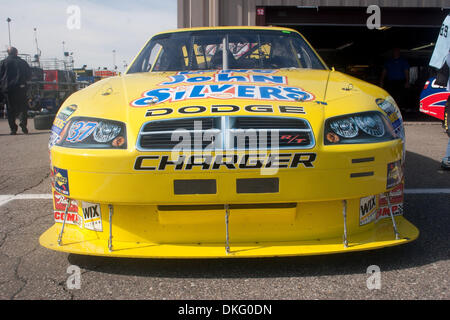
x=14, y=72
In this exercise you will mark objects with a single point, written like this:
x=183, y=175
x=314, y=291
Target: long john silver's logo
x=223, y=85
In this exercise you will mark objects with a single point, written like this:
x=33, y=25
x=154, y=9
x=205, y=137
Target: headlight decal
x=80, y=130
x=345, y=127
x=106, y=131
x=364, y=127
x=371, y=125
x=93, y=133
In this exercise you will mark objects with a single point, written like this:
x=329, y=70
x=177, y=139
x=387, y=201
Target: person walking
x=14, y=74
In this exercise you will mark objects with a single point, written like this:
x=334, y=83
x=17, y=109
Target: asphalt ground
x=418, y=270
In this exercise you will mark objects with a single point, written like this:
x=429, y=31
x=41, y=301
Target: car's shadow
x=429, y=212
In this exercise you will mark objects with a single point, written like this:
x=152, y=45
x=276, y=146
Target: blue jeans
x=447, y=154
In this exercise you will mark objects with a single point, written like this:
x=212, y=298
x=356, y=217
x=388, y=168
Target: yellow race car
x=227, y=142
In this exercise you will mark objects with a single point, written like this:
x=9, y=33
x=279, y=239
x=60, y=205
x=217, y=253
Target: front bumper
x=141, y=216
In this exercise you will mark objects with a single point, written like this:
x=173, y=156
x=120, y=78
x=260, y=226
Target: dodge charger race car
x=227, y=142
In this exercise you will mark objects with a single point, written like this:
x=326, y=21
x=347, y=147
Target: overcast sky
x=105, y=25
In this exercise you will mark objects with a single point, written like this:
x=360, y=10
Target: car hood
x=142, y=97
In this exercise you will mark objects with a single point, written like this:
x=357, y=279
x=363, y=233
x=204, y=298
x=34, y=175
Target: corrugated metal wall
x=198, y=13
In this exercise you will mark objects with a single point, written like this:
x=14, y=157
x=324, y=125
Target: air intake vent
x=226, y=133
x=269, y=123
x=187, y=124
x=191, y=134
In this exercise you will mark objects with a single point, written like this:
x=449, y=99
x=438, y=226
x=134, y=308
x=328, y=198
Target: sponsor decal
x=394, y=116
x=92, y=216
x=394, y=174
x=225, y=77
x=61, y=119
x=72, y=218
x=65, y=113
x=224, y=109
x=263, y=71
x=383, y=212
x=228, y=161
x=54, y=139
x=60, y=203
x=367, y=209
x=368, y=213
x=61, y=181
x=59, y=123
x=228, y=84
x=222, y=91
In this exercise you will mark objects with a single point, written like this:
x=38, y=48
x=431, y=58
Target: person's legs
x=447, y=154
x=17, y=100
x=10, y=107
x=23, y=109
x=445, y=164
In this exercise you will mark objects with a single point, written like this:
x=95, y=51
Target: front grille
x=187, y=124
x=190, y=133
x=168, y=141
x=269, y=123
x=226, y=133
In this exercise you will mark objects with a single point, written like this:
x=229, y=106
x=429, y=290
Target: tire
x=44, y=122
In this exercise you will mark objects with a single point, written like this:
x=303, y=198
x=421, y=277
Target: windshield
x=245, y=49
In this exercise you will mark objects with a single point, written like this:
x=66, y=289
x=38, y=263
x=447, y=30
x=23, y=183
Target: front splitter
x=382, y=235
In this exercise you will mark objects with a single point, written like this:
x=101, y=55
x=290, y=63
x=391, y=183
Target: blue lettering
x=175, y=79
x=217, y=88
x=226, y=77
x=269, y=92
x=246, y=91
x=197, y=92
x=161, y=94
x=296, y=93
x=270, y=79
x=199, y=79
x=179, y=95
x=245, y=71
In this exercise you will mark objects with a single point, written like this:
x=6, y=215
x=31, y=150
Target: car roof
x=229, y=28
